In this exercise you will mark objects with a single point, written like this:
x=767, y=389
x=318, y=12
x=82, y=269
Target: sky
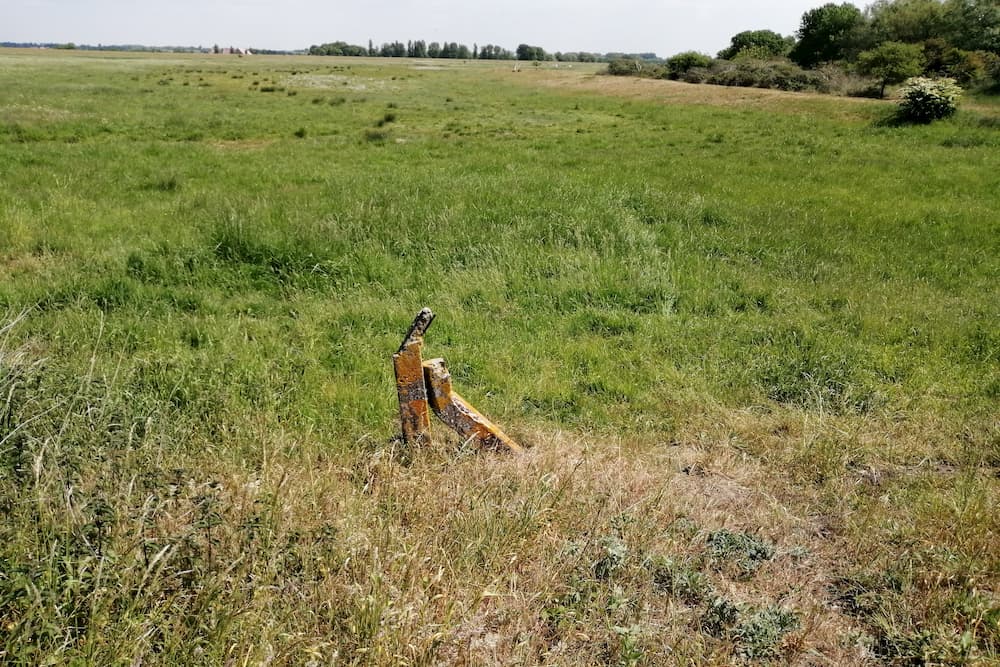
x=665, y=27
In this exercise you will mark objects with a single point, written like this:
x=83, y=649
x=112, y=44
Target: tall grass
x=720, y=327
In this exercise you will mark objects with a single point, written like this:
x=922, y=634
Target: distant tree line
x=422, y=49
x=841, y=48
x=138, y=48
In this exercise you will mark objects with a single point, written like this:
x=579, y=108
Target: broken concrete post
x=408, y=365
x=454, y=411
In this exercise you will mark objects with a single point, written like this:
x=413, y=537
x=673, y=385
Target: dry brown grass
x=456, y=558
x=447, y=556
x=676, y=92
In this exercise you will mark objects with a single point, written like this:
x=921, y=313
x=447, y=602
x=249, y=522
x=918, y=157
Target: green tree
x=908, y=21
x=891, y=62
x=941, y=59
x=526, y=52
x=762, y=41
x=973, y=25
x=828, y=33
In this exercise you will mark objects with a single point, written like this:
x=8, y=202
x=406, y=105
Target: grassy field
x=751, y=339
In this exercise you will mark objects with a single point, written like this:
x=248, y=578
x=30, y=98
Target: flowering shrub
x=926, y=99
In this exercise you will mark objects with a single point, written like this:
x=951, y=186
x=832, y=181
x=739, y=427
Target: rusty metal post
x=454, y=411
x=408, y=365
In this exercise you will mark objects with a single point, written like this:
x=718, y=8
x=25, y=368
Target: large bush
x=751, y=73
x=924, y=100
x=679, y=65
x=623, y=67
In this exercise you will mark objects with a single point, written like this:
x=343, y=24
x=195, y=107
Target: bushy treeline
x=142, y=48
x=422, y=49
x=841, y=48
x=414, y=49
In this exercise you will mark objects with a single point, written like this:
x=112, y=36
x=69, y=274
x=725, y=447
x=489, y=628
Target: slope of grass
x=775, y=320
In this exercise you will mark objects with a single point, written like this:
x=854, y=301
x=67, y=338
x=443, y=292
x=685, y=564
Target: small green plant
x=168, y=183
x=615, y=552
x=745, y=551
x=760, y=635
x=630, y=651
x=719, y=617
x=300, y=133
x=925, y=100
x=680, y=580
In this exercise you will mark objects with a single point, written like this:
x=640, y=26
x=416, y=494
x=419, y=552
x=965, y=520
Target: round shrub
x=679, y=65
x=924, y=100
x=623, y=67
x=696, y=75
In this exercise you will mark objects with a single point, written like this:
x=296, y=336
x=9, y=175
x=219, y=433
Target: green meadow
x=751, y=339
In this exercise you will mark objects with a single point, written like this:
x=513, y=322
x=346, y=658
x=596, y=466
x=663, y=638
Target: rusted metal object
x=413, y=412
x=423, y=386
x=454, y=411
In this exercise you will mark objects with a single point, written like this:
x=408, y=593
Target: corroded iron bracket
x=413, y=413
x=422, y=387
x=454, y=411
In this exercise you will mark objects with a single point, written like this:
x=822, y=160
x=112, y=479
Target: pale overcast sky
x=663, y=26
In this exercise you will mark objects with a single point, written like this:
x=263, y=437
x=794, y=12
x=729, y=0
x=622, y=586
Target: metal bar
x=456, y=412
x=414, y=416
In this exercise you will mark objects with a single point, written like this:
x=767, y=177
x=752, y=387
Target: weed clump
x=376, y=136
x=389, y=117
x=168, y=183
x=799, y=370
x=759, y=636
x=612, y=559
x=746, y=552
x=719, y=617
x=681, y=581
